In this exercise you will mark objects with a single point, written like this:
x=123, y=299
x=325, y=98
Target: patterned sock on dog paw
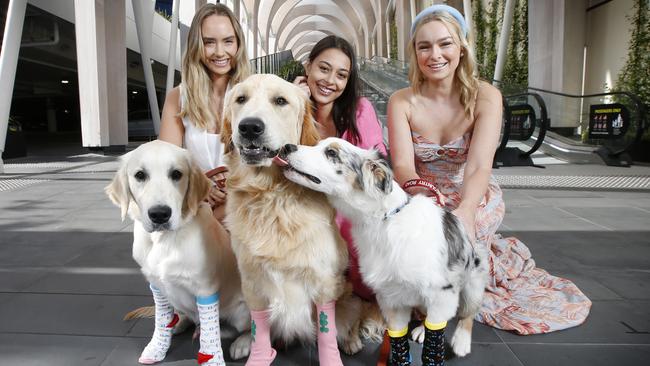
x=157, y=348
x=210, y=352
x=399, y=347
x=433, y=350
x=262, y=354
x=328, y=350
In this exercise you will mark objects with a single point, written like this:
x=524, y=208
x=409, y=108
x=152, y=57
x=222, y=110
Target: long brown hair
x=344, y=111
x=197, y=85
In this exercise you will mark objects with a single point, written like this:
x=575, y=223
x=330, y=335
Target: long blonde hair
x=465, y=72
x=197, y=85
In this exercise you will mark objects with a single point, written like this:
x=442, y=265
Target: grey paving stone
x=89, y=315
x=54, y=350
x=115, y=253
x=115, y=281
x=546, y=218
x=41, y=254
x=588, y=283
x=582, y=355
x=602, y=250
x=616, y=218
x=12, y=280
x=630, y=283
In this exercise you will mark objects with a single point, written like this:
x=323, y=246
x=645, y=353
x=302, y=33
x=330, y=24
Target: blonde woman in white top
x=191, y=118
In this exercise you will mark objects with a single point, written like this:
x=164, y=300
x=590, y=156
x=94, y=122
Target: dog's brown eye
x=331, y=153
x=140, y=175
x=176, y=175
x=241, y=99
x=281, y=101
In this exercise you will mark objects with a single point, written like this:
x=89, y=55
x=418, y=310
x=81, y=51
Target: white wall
x=608, y=37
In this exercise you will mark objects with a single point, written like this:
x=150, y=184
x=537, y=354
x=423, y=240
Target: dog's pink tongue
x=277, y=160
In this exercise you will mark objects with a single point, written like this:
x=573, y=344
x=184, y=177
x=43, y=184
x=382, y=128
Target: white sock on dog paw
x=417, y=334
x=157, y=348
x=210, y=352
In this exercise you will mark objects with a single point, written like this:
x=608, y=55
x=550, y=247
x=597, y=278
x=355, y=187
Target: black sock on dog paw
x=433, y=350
x=400, y=351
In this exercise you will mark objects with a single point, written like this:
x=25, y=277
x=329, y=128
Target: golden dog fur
x=288, y=248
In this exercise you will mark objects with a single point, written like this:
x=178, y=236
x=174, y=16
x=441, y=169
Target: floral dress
x=519, y=296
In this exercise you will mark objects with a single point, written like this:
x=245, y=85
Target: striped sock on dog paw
x=210, y=352
x=157, y=348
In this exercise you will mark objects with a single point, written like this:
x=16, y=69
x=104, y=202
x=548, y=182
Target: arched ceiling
x=289, y=20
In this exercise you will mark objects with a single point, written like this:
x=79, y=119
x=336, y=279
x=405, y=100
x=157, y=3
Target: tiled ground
x=67, y=277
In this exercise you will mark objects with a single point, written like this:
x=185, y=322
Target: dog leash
x=221, y=183
x=435, y=193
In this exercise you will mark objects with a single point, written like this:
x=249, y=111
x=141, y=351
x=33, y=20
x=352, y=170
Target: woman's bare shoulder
x=488, y=92
x=401, y=96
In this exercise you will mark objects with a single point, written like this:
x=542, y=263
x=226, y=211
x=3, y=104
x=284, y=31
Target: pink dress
x=519, y=297
x=371, y=137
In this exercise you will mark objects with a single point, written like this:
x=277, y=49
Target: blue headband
x=438, y=8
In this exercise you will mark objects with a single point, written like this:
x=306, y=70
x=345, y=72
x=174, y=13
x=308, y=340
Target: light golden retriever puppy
x=182, y=252
x=288, y=247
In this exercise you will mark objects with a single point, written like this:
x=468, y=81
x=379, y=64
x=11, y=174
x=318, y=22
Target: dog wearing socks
x=412, y=252
x=188, y=262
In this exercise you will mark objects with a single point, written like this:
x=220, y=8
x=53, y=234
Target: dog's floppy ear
x=198, y=187
x=118, y=190
x=226, y=123
x=382, y=175
x=309, y=135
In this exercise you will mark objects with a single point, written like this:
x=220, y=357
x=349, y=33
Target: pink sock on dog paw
x=328, y=350
x=262, y=354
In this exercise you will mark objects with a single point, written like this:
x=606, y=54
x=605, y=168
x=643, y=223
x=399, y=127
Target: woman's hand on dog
x=217, y=195
x=468, y=218
x=301, y=81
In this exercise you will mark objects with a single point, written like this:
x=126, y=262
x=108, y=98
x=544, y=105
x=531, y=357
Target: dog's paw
x=352, y=345
x=241, y=347
x=417, y=334
x=461, y=342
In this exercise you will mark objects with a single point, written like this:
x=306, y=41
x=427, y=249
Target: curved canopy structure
x=294, y=24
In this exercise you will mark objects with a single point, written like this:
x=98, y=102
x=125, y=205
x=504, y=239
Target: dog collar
x=388, y=215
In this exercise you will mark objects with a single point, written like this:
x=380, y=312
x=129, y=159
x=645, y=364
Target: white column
x=8, y=60
x=171, y=57
x=467, y=10
x=91, y=71
x=255, y=36
x=116, y=90
x=143, y=13
x=503, y=40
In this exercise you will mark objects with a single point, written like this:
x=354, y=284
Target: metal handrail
x=641, y=115
x=544, y=123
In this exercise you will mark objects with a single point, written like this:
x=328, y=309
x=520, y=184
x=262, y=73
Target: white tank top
x=206, y=148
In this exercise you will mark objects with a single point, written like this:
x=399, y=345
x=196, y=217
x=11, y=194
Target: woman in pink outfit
x=444, y=129
x=332, y=82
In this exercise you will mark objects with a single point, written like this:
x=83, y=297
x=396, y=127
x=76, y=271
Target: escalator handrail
x=544, y=123
x=641, y=116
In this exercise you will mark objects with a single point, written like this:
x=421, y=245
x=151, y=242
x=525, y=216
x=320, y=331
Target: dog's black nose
x=160, y=214
x=251, y=127
x=287, y=149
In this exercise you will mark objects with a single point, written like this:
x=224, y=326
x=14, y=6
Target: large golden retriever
x=288, y=248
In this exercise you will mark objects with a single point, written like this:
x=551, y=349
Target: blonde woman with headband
x=444, y=129
x=215, y=59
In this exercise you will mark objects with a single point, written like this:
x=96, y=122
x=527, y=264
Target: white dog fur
x=412, y=253
x=183, y=257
